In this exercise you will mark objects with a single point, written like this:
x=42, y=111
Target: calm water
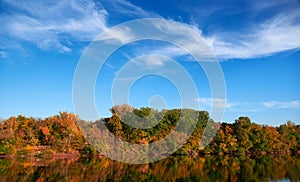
x=209, y=168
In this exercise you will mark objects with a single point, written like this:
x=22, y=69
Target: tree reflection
x=176, y=168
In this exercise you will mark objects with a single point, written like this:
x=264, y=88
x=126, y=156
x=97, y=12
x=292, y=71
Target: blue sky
x=256, y=42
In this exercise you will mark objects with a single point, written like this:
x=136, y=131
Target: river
x=174, y=168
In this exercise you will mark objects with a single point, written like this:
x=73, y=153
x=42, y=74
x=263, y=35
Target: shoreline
x=78, y=155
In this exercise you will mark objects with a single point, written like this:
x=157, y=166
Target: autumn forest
x=61, y=134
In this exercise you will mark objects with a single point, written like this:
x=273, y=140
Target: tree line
x=61, y=134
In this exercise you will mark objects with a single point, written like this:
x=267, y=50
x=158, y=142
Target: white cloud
x=154, y=61
x=53, y=26
x=283, y=105
x=129, y=9
x=244, y=110
x=188, y=38
x=170, y=51
x=216, y=102
x=3, y=54
x=119, y=35
x=165, y=50
x=281, y=33
x=49, y=25
x=148, y=62
x=277, y=34
x=272, y=36
x=264, y=4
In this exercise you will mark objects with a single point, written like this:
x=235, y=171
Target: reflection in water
x=179, y=168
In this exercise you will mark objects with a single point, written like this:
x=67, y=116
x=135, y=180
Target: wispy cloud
x=264, y=4
x=216, y=102
x=117, y=35
x=283, y=105
x=270, y=37
x=55, y=26
x=244, y=110
x=166, y=50
x=52, y=25
x=127, y=8
x=152, y=62
x=170, y=30
x=149, y=63
x=2, y=54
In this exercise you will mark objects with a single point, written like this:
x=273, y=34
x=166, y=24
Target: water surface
x=176, y=168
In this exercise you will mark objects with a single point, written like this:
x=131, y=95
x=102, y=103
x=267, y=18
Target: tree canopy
x=61, y=133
